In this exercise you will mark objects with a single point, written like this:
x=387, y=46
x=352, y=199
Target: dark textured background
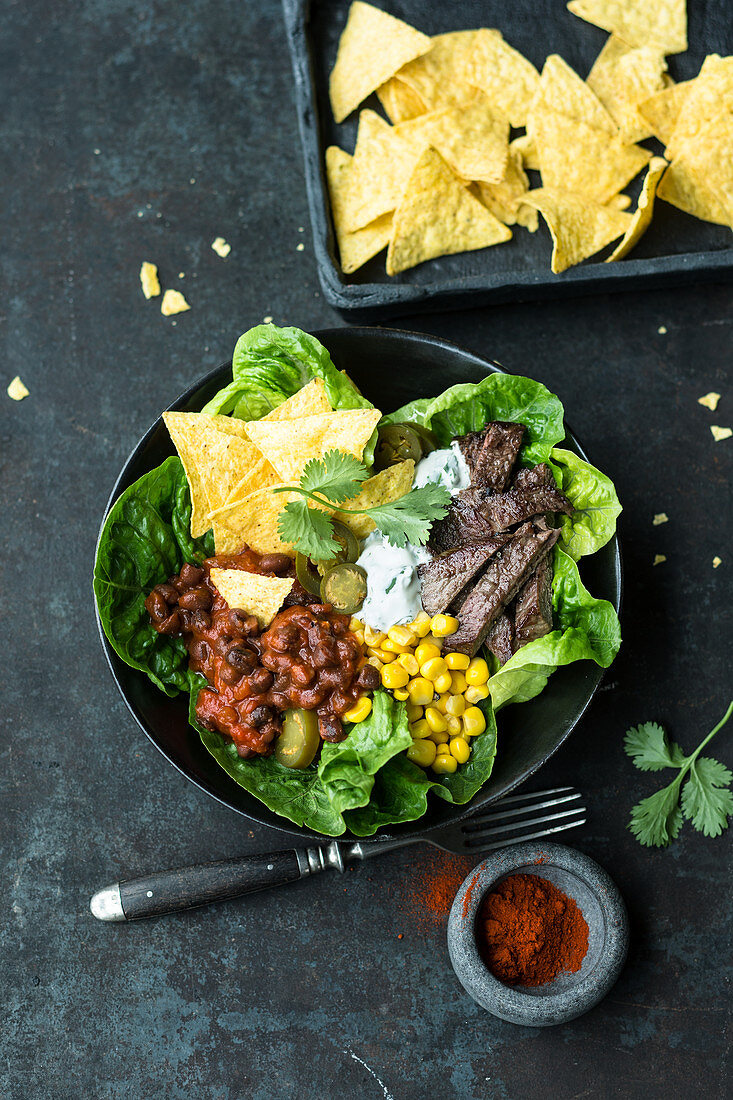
x=133, y=132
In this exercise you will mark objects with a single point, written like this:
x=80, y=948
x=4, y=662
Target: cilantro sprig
x=705, y=800
x=338, y=477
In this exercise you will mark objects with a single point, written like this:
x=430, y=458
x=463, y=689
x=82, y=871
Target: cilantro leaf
x=337, y=476
x=409, y=518
x=657, y=820
x=706, y=796
x=650, y=749
x=310, y=529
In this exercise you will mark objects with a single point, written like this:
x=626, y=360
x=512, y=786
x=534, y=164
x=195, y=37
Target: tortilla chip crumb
x=267, y=320
x=17, y=390
x=710, y=400
x=717, y=561
x=720, y=433
x=659, y=558
x=221, y=247
x=299, y=247
x=662, y=330
x=173, y=302
x=660, y=517
x=149, y=279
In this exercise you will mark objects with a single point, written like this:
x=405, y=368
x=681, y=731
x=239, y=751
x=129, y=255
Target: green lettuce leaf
x=597, y=506
x=468, y=407
x=145, y=539
x=588, y=629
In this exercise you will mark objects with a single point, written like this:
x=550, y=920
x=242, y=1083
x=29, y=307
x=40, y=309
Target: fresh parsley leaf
x=336, y=477
x=409, y=519
x=310, y=529
x=706, y=798
x=651, y=750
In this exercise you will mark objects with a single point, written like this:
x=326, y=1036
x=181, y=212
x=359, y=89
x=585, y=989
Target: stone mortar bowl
x=568, y=995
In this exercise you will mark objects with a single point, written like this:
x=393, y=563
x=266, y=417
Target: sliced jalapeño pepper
x=396, y=443
x=310, y=573
x=345, y=587
x=298, y=743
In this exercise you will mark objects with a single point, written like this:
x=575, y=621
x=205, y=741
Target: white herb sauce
x=393, y=586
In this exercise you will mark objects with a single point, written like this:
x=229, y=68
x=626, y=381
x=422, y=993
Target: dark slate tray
x=676, y=248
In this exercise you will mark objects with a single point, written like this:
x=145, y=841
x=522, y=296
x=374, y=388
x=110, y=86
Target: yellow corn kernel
x=421, y=624
x=440, y=702
x=422, y=752
x=420, y=728
x=421, y=691
x=402, y=634
x=460, y=748
x=395, y=676
x=433, y=668
x=413, y=712
x=373, y=637
x=361, y=709
x=408, y=662
x=401, y=695
x=394, y=647
x=375, y=663
x=440, y=738
x=454, y=725
x=474, y=722
x=455, y=706
x=443, y=625
x=359, y=635
x=444, y=764
x=425, y=652
x=458, y=682
x=384, y=655
x=457, y=661
x=435, y=720
x=477, y=672
x=443, y=683
x=476, y=694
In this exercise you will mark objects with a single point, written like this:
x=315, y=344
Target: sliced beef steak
x=490, y=454
x=533, y=493
x=533, y=606
x=465, y=523
x=444, y=577
x=500, y=639
x=507, y=571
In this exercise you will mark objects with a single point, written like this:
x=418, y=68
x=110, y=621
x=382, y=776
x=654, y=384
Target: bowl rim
x=389, y=832
x=511, y=1002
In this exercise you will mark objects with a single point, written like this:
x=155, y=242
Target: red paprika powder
x=530, y=932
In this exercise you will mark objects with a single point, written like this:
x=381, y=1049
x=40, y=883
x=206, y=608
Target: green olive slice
x=298, y=743
x=396, y=443
x=345, y=588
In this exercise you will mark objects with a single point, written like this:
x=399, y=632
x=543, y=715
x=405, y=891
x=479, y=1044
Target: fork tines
x=519, y=817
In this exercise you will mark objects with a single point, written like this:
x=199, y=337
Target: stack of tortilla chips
x=447, y=173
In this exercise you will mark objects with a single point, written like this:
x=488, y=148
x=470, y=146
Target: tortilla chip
x=578, y=158
x=579, y=227
x=525, y=146
x=622, y=78
x=504, y=199
x=149, y=279
x=708, y=94
x=378, y=173
x=708, y=157
x=472, y=140
x=259, y=476
x=390, y=484
x=504, y=75
x=289, y=444
x=642, y=216
x=254, y=594
x=437, y=217
x=17, y=389
x=619, y=202
x=683, y=190
x=253, y=520
x=225, y=541
x=357, y=247
x=440, y=76
x=216, y=455
x=660, y=23
x=660, y=110
x=308, y=401
x=399, y=101
x=562, y=91
x=373, y=46
x=173, y=302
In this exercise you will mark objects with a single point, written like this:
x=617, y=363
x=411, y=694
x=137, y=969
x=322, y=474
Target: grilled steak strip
x=490, y=454
x=464, y=523
x=533, y=496
x=533, y=606
x=507, y=571
x=500, y=638
x=444, y=578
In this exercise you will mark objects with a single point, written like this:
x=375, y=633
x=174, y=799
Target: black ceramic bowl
x=390, y=367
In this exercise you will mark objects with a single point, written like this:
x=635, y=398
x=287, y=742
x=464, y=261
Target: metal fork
x=518, y=818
